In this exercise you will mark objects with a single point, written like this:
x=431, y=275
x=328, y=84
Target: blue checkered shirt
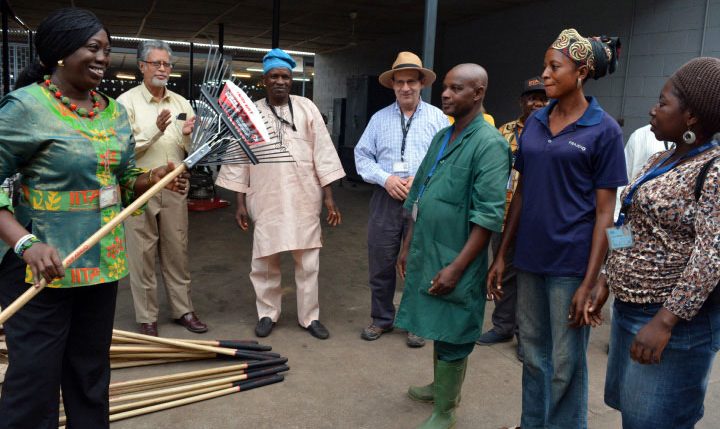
x=379, y=146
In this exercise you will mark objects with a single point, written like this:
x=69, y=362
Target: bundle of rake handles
x=148, y=395
x=153, y=397
x=129, y=349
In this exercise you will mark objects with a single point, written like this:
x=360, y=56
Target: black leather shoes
x=317, y=330
x=264, y=327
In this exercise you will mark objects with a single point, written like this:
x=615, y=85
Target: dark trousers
x=386, y=228
x=61, y=338
x=448, y=352
x=503, y=316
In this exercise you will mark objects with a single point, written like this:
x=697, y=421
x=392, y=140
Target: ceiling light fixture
x=125, y=76
x=206, y=45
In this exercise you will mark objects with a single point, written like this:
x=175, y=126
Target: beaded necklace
x=80, y=111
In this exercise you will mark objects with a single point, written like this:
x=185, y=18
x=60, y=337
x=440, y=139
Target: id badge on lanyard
x=421, y=191
x=109, y=193
x=620, y=237
x=401, y=169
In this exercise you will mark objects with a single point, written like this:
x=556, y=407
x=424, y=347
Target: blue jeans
x=555, y=378
x=668, y=395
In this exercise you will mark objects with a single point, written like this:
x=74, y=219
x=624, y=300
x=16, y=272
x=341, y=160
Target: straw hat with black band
x=407, y=61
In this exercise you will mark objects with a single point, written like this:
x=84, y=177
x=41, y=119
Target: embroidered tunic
x=65, y=160
x=284, y=199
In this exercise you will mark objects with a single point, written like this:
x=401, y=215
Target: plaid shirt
x=379, y=146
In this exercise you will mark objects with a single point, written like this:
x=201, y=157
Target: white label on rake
x=248, y=112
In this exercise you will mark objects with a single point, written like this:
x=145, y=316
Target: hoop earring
x=689, y=137
x=61, y=63
x=579, y=83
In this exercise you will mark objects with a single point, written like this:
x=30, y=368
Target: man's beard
x=158, y=82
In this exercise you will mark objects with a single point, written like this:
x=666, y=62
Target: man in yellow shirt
x=162, y=122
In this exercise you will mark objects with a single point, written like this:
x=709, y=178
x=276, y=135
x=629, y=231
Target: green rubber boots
x=446, y=389
x=424, y=393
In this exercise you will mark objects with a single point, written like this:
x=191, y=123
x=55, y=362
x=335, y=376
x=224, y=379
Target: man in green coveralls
x=457, y=200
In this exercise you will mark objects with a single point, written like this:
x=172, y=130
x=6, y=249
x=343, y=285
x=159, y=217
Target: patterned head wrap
x=599, y=54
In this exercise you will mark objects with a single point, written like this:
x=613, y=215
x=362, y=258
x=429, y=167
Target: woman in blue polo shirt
x=571, y=162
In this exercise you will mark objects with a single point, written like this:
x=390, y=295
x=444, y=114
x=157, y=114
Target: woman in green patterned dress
x=74, y=148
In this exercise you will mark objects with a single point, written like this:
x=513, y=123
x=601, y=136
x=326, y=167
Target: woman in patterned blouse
x=666, y=319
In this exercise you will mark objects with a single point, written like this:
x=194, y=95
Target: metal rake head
x=228, y=127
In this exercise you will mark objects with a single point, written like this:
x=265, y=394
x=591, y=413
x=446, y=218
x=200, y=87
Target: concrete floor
x=343, y=382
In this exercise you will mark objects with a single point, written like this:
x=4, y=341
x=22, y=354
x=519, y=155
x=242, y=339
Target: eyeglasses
x=158, y=64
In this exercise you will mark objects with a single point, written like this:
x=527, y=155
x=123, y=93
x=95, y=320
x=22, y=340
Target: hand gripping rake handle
x=93, y=240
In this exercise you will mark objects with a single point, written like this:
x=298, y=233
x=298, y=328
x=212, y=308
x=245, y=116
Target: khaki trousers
x=160, y=230
x=265, y=277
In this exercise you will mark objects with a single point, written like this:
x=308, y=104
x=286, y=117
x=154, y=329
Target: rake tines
x=229, y=128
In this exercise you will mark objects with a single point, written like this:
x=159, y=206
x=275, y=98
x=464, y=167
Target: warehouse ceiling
x=306, y=27
x=317, y=26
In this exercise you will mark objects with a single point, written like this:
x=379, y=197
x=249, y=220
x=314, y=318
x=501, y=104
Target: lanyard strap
x=437, y=159
x=657, y=170
x=405, y=130
x=283, y=120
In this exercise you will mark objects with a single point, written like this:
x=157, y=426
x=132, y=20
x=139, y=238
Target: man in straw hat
x=388, y=155
x=285, y=199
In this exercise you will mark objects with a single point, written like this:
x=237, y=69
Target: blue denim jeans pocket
x=670, y=394
x=714, y=316
x=686, y=335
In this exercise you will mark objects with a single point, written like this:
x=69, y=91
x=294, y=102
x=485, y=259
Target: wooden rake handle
x=93, y=240
x=241, y=387
x=178, y=343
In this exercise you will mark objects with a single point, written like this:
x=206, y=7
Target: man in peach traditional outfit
x=284, y=200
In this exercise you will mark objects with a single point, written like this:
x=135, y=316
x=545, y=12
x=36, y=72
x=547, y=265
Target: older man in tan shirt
x=162, y=122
